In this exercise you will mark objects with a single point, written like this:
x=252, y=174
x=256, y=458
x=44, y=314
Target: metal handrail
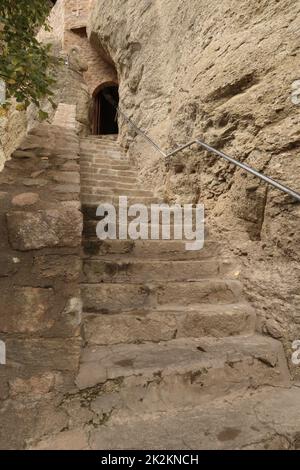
x=209, y=148
x=139, y=131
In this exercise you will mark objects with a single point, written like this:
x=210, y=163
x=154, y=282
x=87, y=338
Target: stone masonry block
x=25, y=310
x=44, y=228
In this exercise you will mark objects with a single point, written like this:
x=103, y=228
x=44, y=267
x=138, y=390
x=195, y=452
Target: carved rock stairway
x=165, y=330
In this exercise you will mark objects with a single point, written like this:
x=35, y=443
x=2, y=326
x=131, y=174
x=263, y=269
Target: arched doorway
x=104, y=112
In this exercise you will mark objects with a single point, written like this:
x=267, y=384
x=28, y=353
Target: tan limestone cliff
x=223, y=71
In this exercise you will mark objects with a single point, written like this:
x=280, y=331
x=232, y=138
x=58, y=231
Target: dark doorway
x=105, y=113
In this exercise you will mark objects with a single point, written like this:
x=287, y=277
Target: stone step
x=119, y=174
x=266, y=419
x=166, y=324
x=109, y=137
x=89, y=182
x=90, y=210
x=101, y=137
x=104, y=191
x=100, y=144
x=154, y=249
x=102, y=156
x=111, y=172
x=105, y=157
x=112, y=180
x=137, y=379
x=89, y=199
x=109, y=184
x=101, y=151
x=86, y=142
x=108, y=165
x=141, y=270
x=116, y=297
x=160, y=231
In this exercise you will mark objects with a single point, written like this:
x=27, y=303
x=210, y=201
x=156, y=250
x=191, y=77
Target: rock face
x=226, y=72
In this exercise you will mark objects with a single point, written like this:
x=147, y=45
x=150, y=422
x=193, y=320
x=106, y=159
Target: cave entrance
x=105, y=115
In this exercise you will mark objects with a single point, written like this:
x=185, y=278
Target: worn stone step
x=113, y=180
x=95, y=177
x=160, y=231
x=88, y=183
x=137, y=379
x=141, y=270
x=109, y=165
x=88, y=199
x=91, y=210
x=101, y=147
x=100, y=137
x=102, y=157
x=104, y=137
x=100, y=151
x=85, y=142
x=105, y=191
x=100, y=142
x=154, y=249
x=113, y=297
x=166, y=324
x=118, y=174
x=267, y=419
x=94, y=144
x=97, y=181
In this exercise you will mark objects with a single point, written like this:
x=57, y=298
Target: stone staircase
x=166, y=331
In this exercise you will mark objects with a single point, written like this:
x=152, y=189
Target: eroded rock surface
x=225, y=72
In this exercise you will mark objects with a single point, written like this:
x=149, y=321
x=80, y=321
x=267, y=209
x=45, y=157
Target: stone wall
x=68, y=21
x=98, y=70
x=76, y=13
x=75, y=82
x=223, y=71
x=12, y=130
x=56, y=22
x=65, y=16
x=70, y=87
x=40, y=265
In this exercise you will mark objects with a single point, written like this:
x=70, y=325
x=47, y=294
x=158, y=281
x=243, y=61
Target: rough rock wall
x=40, y=266
x=223, y=71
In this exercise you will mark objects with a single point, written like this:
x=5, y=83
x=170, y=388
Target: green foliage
x=26, y=66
